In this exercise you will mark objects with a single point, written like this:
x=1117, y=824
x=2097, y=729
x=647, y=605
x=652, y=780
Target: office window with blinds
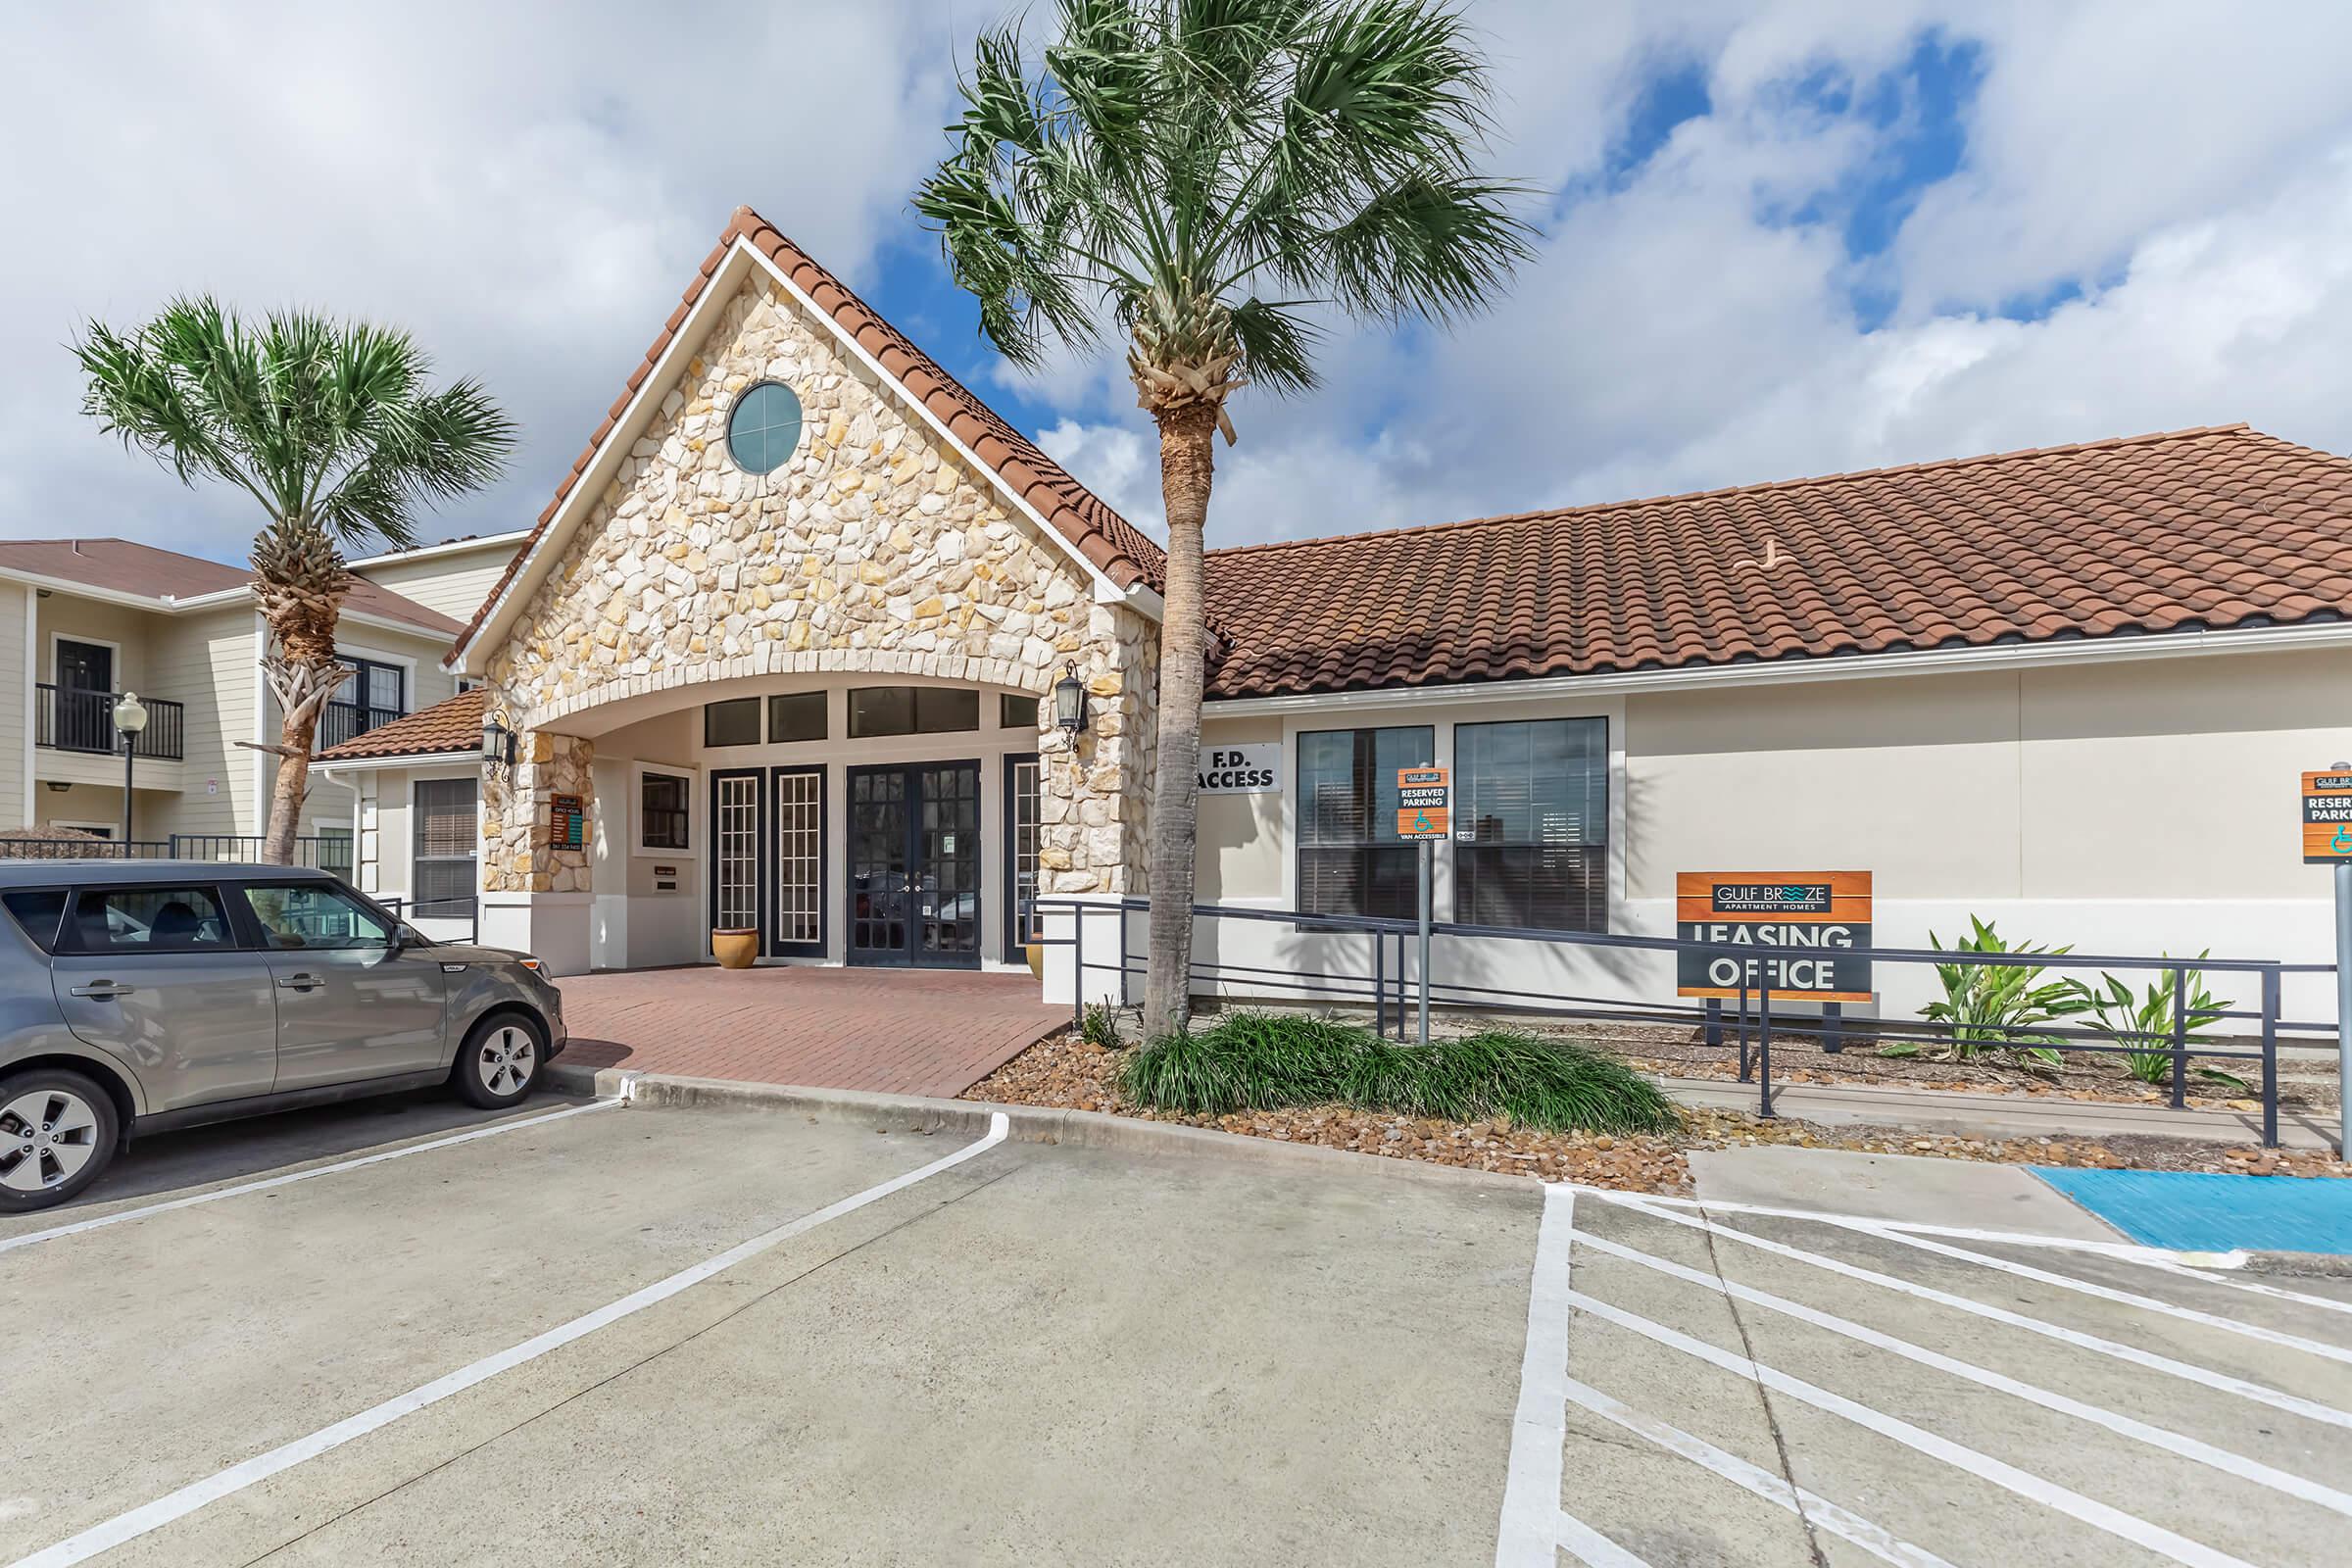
x=1350, y=861
x=1531, y=825
x=446, y=839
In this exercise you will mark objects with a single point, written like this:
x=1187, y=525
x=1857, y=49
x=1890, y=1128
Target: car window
x=150, y=920
x=37, y=910
x=313, y=915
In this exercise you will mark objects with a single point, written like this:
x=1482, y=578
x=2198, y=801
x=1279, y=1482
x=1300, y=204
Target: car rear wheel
x=58, y=1132
x=499, y=1061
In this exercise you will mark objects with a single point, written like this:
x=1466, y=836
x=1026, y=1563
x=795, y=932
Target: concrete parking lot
x=589, y=1334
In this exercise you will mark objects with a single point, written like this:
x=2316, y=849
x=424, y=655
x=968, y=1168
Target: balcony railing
x=340, y=721
x=66, y=719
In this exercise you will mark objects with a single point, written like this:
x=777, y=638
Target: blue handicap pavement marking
x=2192, y=1212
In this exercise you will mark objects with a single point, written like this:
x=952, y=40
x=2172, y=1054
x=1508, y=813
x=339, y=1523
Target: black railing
x=468, y=910
x=1388, y=980
x=67, y=719
x=341, y=721
x=84, y=849
x=323, y=853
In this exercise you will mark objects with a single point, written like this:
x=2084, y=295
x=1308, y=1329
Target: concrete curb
x=1029, y=1124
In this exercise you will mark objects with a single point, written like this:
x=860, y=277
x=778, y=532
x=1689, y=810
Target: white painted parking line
x=1775, y=1489
x=2277, y=1399
x=1590, y=1546
x=2032, y=1487
x=2210, y=1268
x=2250, y=1287
x=1531, y=1491
x=213, y=1488
x=2188, y=1448
x=2132, y=1252
x=8, y=1244
x=2106, y=1293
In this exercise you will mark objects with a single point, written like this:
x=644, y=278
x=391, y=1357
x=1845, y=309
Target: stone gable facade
x=876, y=548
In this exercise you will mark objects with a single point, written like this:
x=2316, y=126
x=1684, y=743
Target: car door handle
x=301, y=982
x=103, y=989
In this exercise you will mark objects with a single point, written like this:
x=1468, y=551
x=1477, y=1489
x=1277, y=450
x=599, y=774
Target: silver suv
x=140, y=996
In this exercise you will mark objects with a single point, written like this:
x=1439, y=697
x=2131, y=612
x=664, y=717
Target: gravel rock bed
x=1065, y=1072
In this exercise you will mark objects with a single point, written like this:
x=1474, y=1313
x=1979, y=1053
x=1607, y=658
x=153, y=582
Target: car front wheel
x=498, y=1063
x=57, y=1131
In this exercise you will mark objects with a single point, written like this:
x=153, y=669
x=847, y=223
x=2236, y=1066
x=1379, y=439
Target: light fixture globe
x=498, y=741
x=1069, y=702
x=130, y=715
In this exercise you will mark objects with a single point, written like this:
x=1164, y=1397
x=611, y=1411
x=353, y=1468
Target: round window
x=764, y=427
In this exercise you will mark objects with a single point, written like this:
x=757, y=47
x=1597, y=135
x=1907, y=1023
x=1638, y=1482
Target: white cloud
x=529, y=200
x=526, y=189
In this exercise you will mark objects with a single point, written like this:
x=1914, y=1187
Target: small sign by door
x=567, y=823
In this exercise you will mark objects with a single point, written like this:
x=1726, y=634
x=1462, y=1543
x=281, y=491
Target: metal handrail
x=1755, y=1014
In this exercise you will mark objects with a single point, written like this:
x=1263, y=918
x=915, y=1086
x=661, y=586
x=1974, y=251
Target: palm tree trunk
x=301, y=691
x=299, y=582
x=1187, y=466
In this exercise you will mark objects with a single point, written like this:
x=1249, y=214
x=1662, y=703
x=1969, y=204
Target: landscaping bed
x=1067, y=1071
x=1675, y=1051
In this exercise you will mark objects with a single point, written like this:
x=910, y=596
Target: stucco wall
x=874, y=548
x=2127, y=806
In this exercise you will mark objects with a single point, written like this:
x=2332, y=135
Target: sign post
x=1424, y=813
x=2327, y=841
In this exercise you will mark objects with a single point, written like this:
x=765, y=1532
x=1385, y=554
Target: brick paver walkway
x=917, y=1032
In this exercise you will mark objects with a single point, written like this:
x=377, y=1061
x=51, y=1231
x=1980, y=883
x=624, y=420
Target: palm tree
x=1168, y=166
x=332, y=427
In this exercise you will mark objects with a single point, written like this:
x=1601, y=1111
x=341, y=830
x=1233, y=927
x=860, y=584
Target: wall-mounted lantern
x=1069, y=702
x=498, y=743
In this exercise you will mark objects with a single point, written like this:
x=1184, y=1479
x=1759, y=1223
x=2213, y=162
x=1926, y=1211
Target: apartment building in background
x=83, y=620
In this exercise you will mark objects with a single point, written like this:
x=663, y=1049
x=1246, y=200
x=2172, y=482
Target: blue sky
x=1778, y=238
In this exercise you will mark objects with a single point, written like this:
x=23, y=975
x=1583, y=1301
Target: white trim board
x=724, y=283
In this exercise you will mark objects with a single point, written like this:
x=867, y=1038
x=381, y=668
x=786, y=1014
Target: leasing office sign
x=1825, y=913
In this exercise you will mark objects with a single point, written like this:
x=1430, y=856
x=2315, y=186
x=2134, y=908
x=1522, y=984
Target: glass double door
x=915, y=864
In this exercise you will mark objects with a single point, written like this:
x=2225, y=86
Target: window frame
x=474, y=880
x=758, y=707
x=363, y=661
x=914, y=708
x=1302, y=806
x=1602, y=849
x=691, y=777
x=397, y=931
x=821, y=700
x=736, y=406
x=242, y=938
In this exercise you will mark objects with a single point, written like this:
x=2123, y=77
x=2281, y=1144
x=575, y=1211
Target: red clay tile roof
x=127, y=567
x=452, y=726
x=2178, y=531
x=1118, y=548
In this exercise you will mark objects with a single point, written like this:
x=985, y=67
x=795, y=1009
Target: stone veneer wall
x=874, y=548
x=517, y=801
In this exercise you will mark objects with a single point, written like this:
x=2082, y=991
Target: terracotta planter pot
x=1035, y=953
x=734, y=949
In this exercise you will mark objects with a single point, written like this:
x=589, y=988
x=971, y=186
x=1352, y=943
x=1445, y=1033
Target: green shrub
x=1262, y=1062
x=1996, y=1007
x=2145, y=1019
x=1099, y=1027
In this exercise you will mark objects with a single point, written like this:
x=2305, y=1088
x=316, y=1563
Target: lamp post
x=131, y=717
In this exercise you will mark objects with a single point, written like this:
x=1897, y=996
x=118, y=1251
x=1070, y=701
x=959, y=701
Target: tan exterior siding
x=453, y=584
x=17, y=619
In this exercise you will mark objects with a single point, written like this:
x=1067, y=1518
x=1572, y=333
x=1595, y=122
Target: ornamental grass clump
x=1267, y=1061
